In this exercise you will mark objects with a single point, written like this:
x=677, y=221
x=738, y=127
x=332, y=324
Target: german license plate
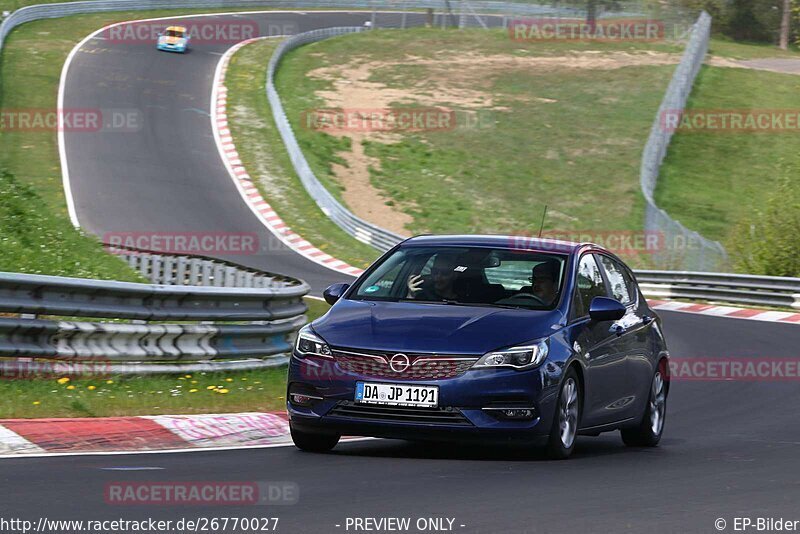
x=397, y=394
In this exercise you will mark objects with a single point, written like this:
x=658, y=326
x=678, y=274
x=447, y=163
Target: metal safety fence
x=685, y=249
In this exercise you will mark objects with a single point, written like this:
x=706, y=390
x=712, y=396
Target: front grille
x=397, y=414
x=420, y=366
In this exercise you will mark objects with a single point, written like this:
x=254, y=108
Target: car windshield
x=467, y=276
x=174, y=33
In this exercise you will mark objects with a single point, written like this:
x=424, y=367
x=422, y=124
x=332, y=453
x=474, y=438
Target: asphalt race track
x=166, y=177
x=731, y=449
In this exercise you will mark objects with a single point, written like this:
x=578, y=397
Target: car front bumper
x=172, y=48
x=468, y=405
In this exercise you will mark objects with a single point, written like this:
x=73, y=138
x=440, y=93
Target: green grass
x=710, y=180
x=192, y=393
x=578, y=157
x=107, y=396
x=725, y=47
x=36, y=241
x=264, y=155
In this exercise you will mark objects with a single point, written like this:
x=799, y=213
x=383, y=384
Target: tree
x=785, y=24
x=767, y=241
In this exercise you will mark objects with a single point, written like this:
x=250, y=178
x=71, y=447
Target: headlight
x=523, y=357
x=310, y=344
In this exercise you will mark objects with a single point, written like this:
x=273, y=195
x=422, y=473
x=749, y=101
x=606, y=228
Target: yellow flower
x=194, y=381
x=244, y=379
x=192, y=391
x=91, y=388
x=63, y=380
x=109, y=381
x=36, y=403
x=70, y=387
x=223, y=391
x=229, y=380
x=181, y=378
x=188, y=376
x=211, y=387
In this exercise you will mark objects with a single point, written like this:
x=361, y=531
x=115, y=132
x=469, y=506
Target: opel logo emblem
x=399, y=363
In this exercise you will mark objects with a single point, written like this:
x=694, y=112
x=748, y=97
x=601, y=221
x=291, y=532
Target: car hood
x=172, y=40
x=437, y=328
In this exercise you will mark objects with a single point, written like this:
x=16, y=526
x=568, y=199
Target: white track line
x=166, y=451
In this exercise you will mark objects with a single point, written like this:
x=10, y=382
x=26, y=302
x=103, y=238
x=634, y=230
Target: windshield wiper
x=450, y=302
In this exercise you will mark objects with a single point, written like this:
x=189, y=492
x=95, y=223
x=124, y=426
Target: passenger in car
x=440, y=285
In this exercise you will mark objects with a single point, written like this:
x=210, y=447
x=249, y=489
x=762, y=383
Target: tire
x=566, y=418
x=651, y=427
x=306, y=441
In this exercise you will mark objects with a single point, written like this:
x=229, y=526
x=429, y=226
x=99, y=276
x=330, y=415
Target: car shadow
x=585, y=448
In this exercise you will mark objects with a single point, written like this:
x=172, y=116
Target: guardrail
x=273, y=314
x=770, y=291
x=362, y=230
x=171, y=269
x=685, y=248
x=48, y=11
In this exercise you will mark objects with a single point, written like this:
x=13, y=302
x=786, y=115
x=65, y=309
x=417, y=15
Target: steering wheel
x=521, y=297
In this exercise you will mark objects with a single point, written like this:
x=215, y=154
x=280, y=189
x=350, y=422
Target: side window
x=618, y=280
x=590, y=285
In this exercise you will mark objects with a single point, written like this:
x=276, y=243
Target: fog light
x=303, y=395
x=512, y=412
x=303, y=400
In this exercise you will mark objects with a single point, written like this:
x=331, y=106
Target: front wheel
x=649, y=431
x=567, y=417
x=306, y=441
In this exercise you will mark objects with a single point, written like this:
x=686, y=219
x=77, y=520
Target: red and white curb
x=729, y=312
x=143, y=433
x=244, y=183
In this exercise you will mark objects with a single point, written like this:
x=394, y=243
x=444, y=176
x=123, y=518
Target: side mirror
x=606, y=309
x=334, y=293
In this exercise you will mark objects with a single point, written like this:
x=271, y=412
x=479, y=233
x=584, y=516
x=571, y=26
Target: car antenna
x=541, y=228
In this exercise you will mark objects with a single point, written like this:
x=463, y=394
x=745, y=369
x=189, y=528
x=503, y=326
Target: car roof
x=511, y=242
x=176, y=28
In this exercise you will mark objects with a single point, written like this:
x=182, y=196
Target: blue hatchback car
x=489, y=338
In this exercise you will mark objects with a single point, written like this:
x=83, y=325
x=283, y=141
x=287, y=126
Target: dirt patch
x=450, y=81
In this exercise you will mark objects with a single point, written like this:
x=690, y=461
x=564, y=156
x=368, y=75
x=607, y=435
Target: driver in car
x=545, y=282
x=440, y=285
